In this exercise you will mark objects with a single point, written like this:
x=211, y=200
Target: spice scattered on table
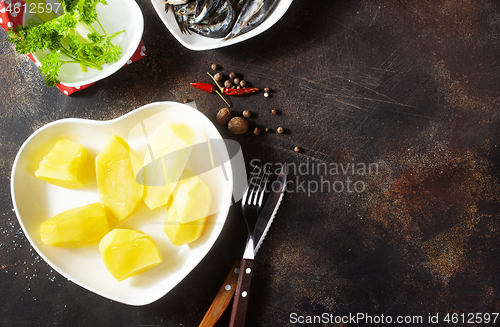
x=234, y=86
x=209, y=88
x=267, y=92
x=223, y=116
x=296, y=149
x=204, y=87
x=238, y=125
x=241, y=91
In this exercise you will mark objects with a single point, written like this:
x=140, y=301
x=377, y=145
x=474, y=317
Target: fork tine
x=249, y=186
x=262, y=190
x=255, y=188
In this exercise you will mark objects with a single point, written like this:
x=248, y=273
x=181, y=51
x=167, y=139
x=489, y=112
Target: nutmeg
x=238, y=125
x=223, y=116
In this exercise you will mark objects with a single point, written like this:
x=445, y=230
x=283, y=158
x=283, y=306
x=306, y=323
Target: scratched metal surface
x=411, y=87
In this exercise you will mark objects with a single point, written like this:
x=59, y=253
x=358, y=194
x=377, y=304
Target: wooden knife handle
x=242, y=294
x=222, y=298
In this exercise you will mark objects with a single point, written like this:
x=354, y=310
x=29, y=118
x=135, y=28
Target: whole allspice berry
x=238, y=125
x=237, y=81
x=218, y=77
x=281, y=130
x=228, y=84
x=296, y=149
x=214, y=67
x=256, y=131
x=246, y=113
x=267, y=92
x=223, y=116
x=274, y=111
x=232, y=75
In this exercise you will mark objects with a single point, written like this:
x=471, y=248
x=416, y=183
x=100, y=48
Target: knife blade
x=262, y=226
x=269, y=210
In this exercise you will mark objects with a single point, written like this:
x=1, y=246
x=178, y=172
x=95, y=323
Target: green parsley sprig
x=70, y=37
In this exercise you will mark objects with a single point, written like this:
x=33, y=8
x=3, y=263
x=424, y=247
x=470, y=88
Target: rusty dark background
x=411, y=86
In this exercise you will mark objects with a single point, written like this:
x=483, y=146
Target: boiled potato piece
x=117, y=186
x=170, y=147
x=128, y=252
x=192, y=198
x=180, y=234
x=187, y=215
x=78, y=227
x=64, y=165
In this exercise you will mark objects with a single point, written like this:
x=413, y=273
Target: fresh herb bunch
x=70, y=37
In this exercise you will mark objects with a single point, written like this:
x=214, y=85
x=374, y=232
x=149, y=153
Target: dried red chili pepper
x=209, y=88
x=227, y=91
x=204, y=87
x=242, y=91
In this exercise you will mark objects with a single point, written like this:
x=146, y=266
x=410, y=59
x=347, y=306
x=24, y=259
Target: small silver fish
x=252, y=14
x=175, y=2
x=218, y=24
x=183, y=14
x=206, y=8
x=170, y=3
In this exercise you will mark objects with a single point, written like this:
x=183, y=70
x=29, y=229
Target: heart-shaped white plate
x=36, y=200
x=197, y=42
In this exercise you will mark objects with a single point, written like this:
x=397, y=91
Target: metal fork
x=251, y=205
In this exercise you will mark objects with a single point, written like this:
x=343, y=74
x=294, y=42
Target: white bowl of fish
x=122, y=18
x=210, y=24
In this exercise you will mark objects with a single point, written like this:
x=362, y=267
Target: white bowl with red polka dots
x=116, y=16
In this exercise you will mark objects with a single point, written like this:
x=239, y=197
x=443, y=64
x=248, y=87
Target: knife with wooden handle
x=242, y=294
x=222, y=298
x=240, y=285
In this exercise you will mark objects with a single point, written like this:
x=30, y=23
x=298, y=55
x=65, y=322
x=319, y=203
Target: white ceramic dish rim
x=108, y=69
x=199, y=43
x=221, y=215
